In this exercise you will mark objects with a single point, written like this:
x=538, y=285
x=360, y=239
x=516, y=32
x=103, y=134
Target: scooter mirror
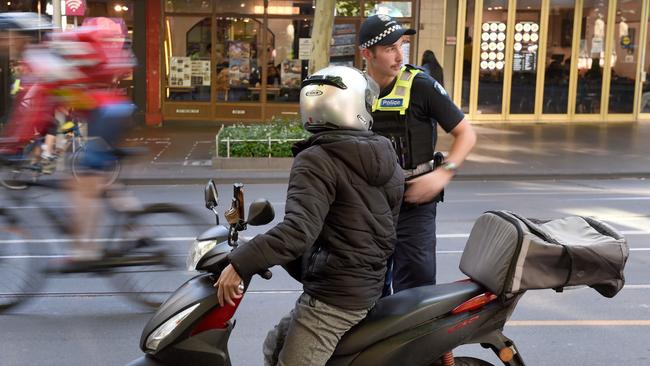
x=260, y=212
x=211, y=195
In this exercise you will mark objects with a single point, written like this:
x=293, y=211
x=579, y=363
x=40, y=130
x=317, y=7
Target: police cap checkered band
x=381, y=30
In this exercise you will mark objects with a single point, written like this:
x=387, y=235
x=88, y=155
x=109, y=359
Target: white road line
x=98, y=240
x=460, y=251
x=466, y=235
x=573, y=323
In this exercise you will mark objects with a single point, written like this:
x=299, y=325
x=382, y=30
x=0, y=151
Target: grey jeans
x=309, y=334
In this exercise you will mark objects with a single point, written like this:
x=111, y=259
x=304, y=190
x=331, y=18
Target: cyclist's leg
x=106, y=126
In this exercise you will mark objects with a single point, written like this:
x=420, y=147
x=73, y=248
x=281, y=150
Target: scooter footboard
x=209, y=348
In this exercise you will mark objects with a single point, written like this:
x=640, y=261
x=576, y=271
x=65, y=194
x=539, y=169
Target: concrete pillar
x=431, y=30
x=56, y=13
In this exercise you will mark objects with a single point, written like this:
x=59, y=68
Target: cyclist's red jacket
x=77, y=69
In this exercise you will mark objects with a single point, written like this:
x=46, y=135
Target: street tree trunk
x=321, y=34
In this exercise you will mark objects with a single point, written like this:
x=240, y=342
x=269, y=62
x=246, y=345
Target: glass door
x=491, y=63
x=644, y=65
x=557, y=59
x=525, y=57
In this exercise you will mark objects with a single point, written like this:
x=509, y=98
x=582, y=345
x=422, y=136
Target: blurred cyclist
x=78, y=69
x=17, y=32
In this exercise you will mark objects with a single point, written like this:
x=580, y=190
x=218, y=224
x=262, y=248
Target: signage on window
x=75, y=7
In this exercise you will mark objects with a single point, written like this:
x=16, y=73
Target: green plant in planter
x=256, y=139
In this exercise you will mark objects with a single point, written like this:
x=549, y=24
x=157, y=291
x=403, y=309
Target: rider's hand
x=425, y=188
x=228, y=286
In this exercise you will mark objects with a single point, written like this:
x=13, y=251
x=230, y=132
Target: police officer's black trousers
x=414, y=260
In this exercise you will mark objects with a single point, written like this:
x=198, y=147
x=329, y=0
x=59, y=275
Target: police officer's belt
x=420, y=169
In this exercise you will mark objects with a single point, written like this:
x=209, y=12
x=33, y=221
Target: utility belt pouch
x=438, y=159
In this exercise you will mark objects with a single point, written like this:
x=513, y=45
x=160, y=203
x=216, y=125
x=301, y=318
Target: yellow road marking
x=587, y=323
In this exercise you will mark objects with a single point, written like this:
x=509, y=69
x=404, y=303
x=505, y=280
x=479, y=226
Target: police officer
x=410, y=106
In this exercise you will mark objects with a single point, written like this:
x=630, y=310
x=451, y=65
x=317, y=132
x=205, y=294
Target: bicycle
x=137, y=255
x=18, y=170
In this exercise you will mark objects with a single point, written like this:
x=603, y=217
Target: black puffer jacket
x=343, y=199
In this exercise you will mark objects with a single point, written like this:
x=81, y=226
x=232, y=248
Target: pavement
x=183, y=154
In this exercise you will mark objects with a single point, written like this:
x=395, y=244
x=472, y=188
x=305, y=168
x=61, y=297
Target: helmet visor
x=335, y=81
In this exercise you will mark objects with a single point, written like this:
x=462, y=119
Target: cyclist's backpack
x=509, y=254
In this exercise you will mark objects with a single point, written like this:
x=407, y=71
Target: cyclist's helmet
x=337, y=97
x=24, y=22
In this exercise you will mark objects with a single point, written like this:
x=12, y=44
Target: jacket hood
x=369, y=155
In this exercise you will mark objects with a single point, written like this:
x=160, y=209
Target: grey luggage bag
x=509, y=254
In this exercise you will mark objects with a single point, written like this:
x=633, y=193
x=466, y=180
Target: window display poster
x=291, y=73
x=304, y=48
x=344, y=40
x=200, y=73
x=180, y=73
x=239, y=50
x=239, y=64
x=239, y=72
x=525, y=47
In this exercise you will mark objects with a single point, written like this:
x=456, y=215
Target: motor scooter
x=419, y=326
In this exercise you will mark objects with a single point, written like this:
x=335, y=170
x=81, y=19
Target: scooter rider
x=343, y=199
x=410, y=106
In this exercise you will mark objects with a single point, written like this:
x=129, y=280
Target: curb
x=282, y=177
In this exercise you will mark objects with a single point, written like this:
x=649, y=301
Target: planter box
x=252, y=163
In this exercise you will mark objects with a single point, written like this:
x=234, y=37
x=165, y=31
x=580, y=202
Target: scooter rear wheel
x=467, y=361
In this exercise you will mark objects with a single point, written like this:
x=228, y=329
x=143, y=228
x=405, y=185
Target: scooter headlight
x=197, y=251
x=154, y=339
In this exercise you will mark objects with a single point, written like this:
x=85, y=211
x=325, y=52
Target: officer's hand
x=425, y=188
x=229, y=286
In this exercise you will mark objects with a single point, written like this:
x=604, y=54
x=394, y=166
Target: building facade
x=503, y=60
x=244, y=60
x=551, y=60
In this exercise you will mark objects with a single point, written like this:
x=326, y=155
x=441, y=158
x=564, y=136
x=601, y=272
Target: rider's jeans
x=309, y=334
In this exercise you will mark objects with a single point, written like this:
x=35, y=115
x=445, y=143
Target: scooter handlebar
x=266, y=274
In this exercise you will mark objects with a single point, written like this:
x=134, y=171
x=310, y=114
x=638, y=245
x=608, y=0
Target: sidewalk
x=503, y=152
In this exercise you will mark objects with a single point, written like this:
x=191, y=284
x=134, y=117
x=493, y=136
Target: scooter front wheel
x=467, y=361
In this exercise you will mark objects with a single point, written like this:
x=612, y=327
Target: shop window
x=396, y=9
x=295, y=7
x=348, y=8
x=239, y=6
x=491, y=69
x=591, y=58
x=187, y=49
x=188, y=6
x=558, y=57
x=344, y=44
x=238, y=72
x=625, y=56
x=285, y=68
x=468, y=45
x=18, y=5
x=524, y=57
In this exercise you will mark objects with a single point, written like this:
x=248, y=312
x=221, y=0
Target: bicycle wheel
x=17, y=172
x=155, y=240
x=16, y=177
x=19, y=274
x=110, y=174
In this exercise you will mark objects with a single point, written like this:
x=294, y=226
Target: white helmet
x=337, y=97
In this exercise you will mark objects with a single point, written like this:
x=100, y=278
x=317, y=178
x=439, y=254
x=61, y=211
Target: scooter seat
x=404, y=310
